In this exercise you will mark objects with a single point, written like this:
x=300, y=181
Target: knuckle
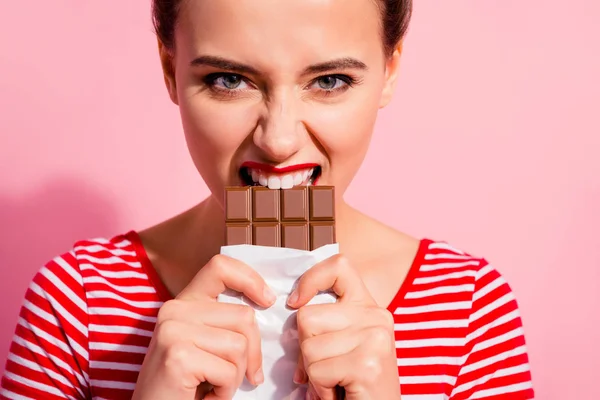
x=246, y=315
x=386, y=317
x=304, y=317
x=168, y=310
x=370, y=368
x=238, y=345
x=168, y=333
x=307, y=350
x=176, y=358
x=342, y=262
x=380, y=338
x=218, y=262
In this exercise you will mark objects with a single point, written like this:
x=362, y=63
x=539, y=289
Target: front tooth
x=298, y=178
x=254, y=175
x=287, y=182
x=262, y=180
x=274, y=182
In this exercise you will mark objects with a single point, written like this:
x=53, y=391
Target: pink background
x=493, y=140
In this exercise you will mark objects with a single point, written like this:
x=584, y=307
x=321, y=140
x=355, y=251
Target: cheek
x=345, y=129
x=215, y=130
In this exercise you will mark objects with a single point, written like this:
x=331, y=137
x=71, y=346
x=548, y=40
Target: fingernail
x=259, y=377
x=298, y=376
x=269, y=294
x=293, y=298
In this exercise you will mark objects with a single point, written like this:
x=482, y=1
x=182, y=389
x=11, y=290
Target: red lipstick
x=273, y=169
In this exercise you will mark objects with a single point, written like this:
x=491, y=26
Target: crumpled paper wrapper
x=280, y=267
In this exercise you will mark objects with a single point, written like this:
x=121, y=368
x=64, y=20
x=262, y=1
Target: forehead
x=280, y=31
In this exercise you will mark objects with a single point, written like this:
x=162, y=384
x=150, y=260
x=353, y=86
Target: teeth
x=286, y=181
x=298, y=178
x=274, y=182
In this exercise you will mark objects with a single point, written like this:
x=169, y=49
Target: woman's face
x=277, y=92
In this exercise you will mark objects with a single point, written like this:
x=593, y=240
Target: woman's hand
x=348, y=344
x=202, y=349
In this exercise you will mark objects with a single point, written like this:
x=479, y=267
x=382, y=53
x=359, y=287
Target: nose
x=280, y=133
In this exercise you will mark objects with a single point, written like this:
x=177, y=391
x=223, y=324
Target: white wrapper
x=280, y=268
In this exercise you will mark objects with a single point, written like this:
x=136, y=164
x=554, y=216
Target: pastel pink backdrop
x=491, y=143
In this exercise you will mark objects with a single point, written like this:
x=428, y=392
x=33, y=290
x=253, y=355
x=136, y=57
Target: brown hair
x=396, y=16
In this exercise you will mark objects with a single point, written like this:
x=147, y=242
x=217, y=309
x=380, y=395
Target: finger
x=330, y=345
x=241, y=319
x=333, y=273
x=318, y=319
x=223, y=272
x=222, y=374
x=227, y=345
x=300, y=376
x=237, y=318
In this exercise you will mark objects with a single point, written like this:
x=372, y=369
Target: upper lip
x=273, y=169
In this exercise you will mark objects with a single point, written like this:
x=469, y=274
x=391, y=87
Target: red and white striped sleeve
x=496, y=365
x=48, y=356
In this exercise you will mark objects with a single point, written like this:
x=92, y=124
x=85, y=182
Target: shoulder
x=467, y=287
x=69, y=271
x=439, y=263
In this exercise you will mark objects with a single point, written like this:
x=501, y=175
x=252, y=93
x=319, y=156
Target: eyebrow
x=234, y=66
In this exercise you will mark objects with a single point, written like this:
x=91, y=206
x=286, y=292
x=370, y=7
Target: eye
x=330, y=83
x=227, y=81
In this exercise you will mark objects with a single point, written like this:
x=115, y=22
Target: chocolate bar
x=299, y=218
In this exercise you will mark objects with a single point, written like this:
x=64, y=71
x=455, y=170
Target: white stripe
x=435, y=342
x=56, y=342
x=120, y=313
x=508, y=297
x=103, y=294
x=60, y=285
x=38, y=368
x=438, y=324
x=59, y=362
x=469, y=273
x=444, y=246
x=419, y=294
x=448, y=256
x=13, y=396
x=36, y=385
x=450, y=306
x=113, y=274
x=118, y=288
x=424, y=397
x=486, y=344
x=125, y=348
x=96, y=248
x=113, y=260
x=450, y=265
x=496, y=374
x=58, y=308
x=423, y=379
x=499, y=321
x=101, y=240
x=420, y=361
x=502, y=390
x=123, y=330
x=493, y=359
x=114, y=366
x=113, y=384
x=496, y=283
x=68, y=268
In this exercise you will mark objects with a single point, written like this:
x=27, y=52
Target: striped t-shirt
x=88, y=316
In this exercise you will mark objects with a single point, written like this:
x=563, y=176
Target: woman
x=262, y=86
